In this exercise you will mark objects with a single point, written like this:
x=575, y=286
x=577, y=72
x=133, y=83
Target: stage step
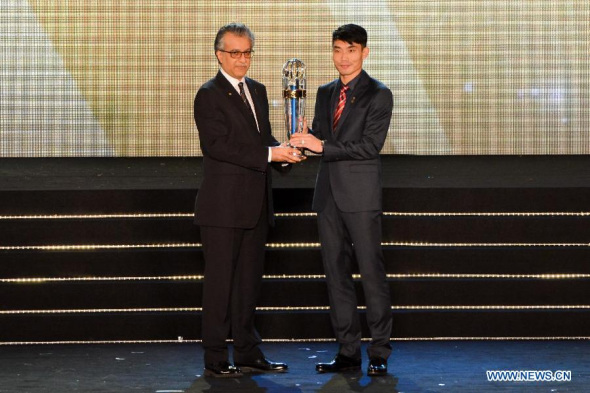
x=297, y=200
x=127, y=265
x=397, y=228
x=298, y=292
x=187, y=261
x=290, y=325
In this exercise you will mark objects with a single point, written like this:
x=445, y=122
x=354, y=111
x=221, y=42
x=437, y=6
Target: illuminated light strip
x=459, y=338
x=75, y=247
x=489, y=214
x=35, y=280
x=102, y=311
x=440, y=245
x=296, y=308
x=493, y=276
x=97, y=342
x=322, y=277
x=276, y=246
x=126, y=215
x=479, y=338
x=96, y=216
x=98, y=247
x=495, y=307
x=426, y=308
x=291, y=340
x=551, y=276
x=289, y=215
x=461, y=245
x=293, y=245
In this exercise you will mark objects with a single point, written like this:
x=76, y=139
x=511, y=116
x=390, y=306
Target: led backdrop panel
x=118, y=77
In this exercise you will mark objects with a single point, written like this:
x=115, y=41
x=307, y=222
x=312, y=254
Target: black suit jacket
x=350, y=164
x=235, y=155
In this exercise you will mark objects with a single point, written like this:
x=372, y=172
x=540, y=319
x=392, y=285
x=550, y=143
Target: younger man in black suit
x=352, y=116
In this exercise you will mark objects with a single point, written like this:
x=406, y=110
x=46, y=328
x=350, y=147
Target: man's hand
x=286, y=154
x=306, y=141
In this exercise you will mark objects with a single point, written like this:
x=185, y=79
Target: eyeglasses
x=236, y=54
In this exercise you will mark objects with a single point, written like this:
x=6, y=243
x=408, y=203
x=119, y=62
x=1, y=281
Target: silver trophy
x=294, y=94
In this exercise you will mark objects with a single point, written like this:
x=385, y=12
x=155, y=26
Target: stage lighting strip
x=299, y=308
x=460, y=214
x=491, y=214
x=82, y=247
x=558, y=276
x=440, y=245
x=288, y=215
x=96, y=216
x=182, y=340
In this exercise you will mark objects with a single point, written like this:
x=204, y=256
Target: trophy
x=294, y=95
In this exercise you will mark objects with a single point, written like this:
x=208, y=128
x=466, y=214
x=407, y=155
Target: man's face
x=235, y=67
x=348, y=59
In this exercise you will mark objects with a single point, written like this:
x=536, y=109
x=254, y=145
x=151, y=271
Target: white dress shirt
x=234, y=82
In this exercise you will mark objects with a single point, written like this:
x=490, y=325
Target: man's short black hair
x=352, y=34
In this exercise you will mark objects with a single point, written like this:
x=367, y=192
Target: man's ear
x=365, y=52
x=217, y=55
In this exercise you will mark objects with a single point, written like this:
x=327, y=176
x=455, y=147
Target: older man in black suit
x=234, y=203
x=352, y=116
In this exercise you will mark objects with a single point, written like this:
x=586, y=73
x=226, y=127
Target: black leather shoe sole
x=376, y=373
x=211, y=373
x=323, y=370
x=250, y=369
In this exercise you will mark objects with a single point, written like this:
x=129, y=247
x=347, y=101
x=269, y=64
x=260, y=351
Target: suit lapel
x=333, y=94
x=236, y=100
x=352, y=102
x=256, y=100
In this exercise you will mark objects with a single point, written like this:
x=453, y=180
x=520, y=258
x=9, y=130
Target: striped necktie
x=340, y=106
x=244, y=98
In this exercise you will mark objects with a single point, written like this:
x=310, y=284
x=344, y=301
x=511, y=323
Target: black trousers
x=338, y=232
x=234, y=262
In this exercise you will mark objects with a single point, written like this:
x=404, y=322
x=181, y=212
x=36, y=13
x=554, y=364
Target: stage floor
x=433, y=366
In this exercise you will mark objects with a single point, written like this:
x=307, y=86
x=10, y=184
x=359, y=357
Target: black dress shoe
x=263, y=365
x=339, y=364
x=222, y=370
x=377, y=367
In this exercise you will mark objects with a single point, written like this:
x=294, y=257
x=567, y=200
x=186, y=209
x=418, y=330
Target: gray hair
x=239, y=29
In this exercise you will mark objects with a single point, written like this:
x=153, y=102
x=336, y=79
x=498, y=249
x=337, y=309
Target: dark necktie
x=340, y=106
x=244, y=98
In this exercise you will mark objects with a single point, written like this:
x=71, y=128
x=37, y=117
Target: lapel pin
x=352, y=100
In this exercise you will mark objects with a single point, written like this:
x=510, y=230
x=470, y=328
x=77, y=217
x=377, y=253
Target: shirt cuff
x=269, y=154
